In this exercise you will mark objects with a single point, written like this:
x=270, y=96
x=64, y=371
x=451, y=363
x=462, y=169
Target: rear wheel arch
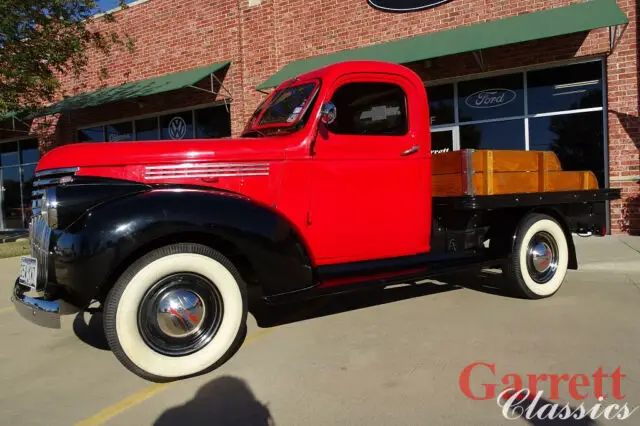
x=506, y=223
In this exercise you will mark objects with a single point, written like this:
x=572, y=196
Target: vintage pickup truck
x=331, y=187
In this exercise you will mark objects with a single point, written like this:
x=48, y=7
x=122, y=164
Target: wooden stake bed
x=493, y=172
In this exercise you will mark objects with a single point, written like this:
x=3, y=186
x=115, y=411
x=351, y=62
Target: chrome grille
x=40, y=235
x=48, y=178
x=39, y=230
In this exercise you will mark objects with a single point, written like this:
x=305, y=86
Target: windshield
x=256, y=115
x=287, y=105
x=284, y=109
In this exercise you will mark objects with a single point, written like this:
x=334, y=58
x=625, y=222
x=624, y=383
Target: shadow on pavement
x=90, y=331
x=488, y=281
x=88, y=327
x=224, y=401
x=275, y=315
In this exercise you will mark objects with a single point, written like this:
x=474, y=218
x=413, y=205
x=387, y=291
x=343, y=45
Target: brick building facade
x=260, y=37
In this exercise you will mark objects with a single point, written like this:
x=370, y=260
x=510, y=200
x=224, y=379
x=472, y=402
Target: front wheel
x=538, y=262
x=178, y=311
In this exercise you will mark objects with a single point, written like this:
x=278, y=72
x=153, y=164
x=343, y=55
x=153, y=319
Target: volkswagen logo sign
x=177, y=128
x=490, y=98
x=405, y=5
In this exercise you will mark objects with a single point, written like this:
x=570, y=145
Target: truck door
x=370, y=176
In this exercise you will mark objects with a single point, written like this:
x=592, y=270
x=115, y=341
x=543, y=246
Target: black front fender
x=89, y=255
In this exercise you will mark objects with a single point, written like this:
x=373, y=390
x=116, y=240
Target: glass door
x=10, y=199
x=445, y=140
x=18, y=160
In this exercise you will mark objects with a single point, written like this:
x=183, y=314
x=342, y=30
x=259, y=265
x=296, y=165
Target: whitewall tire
x=178, y=311
x=538, y=262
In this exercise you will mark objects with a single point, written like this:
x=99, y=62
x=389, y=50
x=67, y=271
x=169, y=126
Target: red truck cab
x=335, y=186
x=328, y=189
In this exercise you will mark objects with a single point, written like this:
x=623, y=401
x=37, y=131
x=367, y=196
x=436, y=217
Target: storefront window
x=29, y=152
x=93, y=134
x=120, y=132
x=441, y=142
x=565, y=88
x=11, y=200
x=177, y=126
x=577, y=140
x=494, y=135
x=9, y=154
x=213, y=122
x=441, y=105
x=17, y=165
x=28, y=172
x=147, y=129
x=490, y=98
x=495, y=106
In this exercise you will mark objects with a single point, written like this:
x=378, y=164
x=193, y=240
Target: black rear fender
x=505, y=223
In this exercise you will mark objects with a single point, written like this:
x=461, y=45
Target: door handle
x=411, y=150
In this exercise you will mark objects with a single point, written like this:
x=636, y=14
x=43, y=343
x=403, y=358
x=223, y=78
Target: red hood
x=132, y=153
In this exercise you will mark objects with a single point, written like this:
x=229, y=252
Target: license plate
x=28, y=271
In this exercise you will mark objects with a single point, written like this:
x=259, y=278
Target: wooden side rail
x=493, y=172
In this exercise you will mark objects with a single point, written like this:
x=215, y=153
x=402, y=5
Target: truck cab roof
x=333, y=71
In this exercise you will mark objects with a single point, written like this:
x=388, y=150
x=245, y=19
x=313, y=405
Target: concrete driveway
x=374, y=358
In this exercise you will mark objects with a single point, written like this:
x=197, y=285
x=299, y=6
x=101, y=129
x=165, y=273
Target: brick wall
x=261, y=39
x=623, y=81
x=169, y=37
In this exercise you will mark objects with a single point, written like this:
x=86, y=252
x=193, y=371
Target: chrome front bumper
x=42, y=312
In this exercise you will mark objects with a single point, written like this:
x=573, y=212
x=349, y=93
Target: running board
x=351, y=284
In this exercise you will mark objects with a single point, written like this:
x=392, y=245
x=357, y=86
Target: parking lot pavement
x=611, y=253
x=374, y=358
x=8, y=271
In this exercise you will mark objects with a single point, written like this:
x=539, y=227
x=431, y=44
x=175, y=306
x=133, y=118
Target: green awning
x=136, y=89
x=532, y=26
x=7, y=115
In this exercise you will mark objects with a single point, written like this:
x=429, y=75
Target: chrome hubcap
x=542, y=257
x=180, y=314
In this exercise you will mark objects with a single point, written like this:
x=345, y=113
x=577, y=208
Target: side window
x=370, y=109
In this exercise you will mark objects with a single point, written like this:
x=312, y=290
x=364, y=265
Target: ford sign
x=405, y=5
x=490, y=98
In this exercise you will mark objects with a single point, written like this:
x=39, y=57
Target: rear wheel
x=178, y=311
x=538, y=262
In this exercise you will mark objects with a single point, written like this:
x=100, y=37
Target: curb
x=620, y=267
x=14, y=238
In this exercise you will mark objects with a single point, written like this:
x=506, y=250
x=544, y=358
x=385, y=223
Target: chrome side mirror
x=328, y=113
